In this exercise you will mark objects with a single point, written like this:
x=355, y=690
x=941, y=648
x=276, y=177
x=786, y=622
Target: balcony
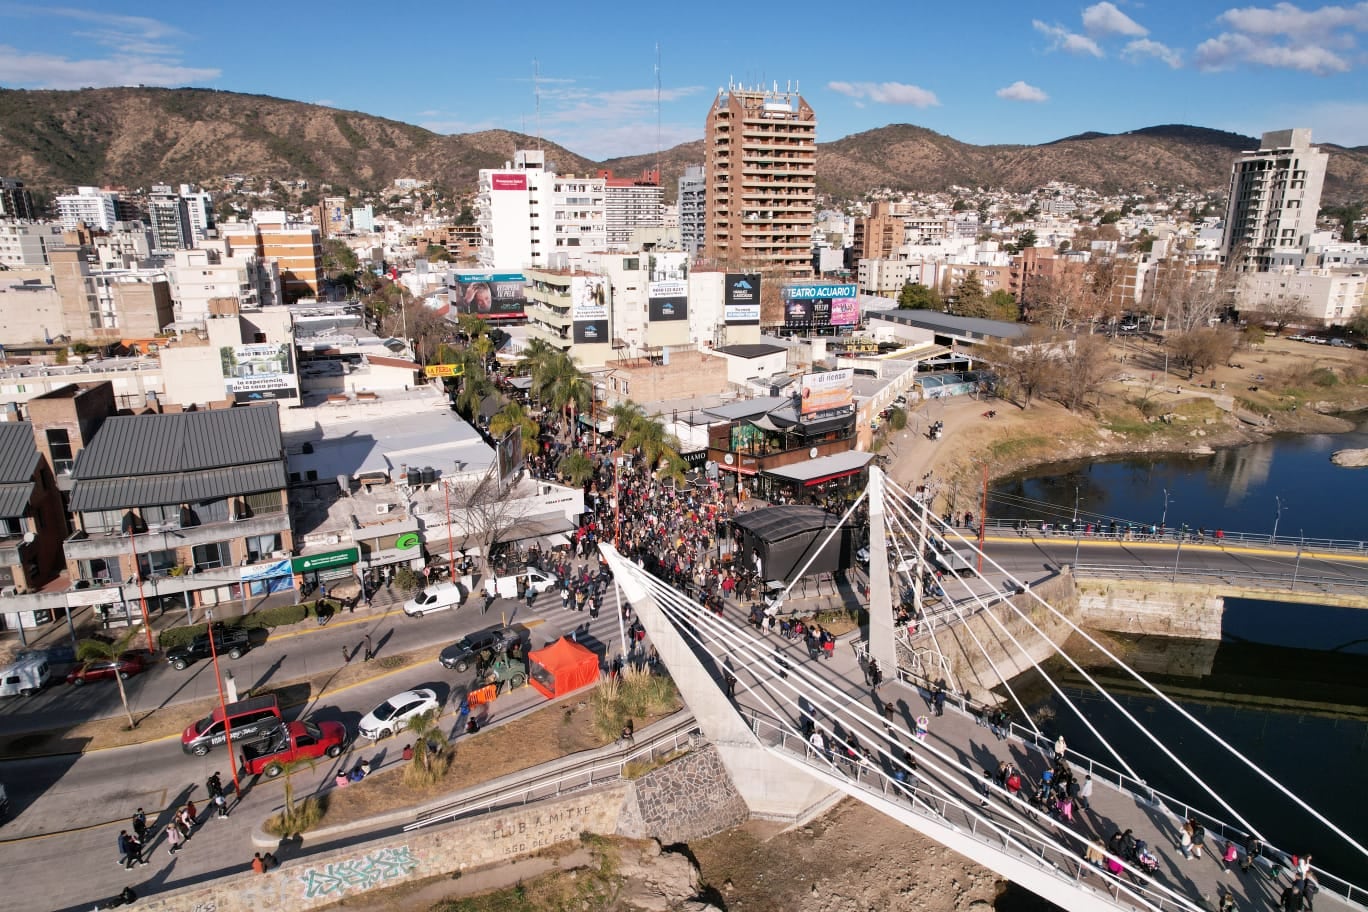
x=169, y=536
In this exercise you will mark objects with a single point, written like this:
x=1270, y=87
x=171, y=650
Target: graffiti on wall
x=359, y=873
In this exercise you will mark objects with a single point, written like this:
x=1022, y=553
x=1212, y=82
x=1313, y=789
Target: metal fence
x=1138, y=532
x=1289, y=581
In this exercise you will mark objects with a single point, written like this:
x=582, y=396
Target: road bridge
x=761, y=696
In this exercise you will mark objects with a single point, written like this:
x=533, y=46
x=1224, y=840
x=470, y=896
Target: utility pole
x=1163, y=520
x=1278, y=516
x=983, y=519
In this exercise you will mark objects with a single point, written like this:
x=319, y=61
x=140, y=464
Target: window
x=212, y=556
x=156, y=563
x=97, y=522
x=259, y=547
x=59, y=448
x=161, y=514
x=264, y=503
x=206, y=511
x=11, y=525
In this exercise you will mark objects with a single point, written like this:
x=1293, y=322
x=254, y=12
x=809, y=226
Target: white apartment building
x=199, y=207
x=513, y=210
x=219, y=271
x=26, y=243
x=1274, y=198
x=629, y=204
x=1327, y=296
x=692, y=208
x=581, y=213
x=127, y=245
x=88, y=206
x=882, y=277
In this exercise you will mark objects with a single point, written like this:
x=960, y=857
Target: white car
x=513, y=586
x=392, y=716
x=434, y=598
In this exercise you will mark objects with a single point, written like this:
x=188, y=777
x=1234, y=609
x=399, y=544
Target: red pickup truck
x=293, y=741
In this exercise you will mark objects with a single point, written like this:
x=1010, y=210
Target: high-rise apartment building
x=169, y=217
x=89, y=206
x=199, y=205
x=761, y=179
x=15, y=200
x=692, y=209
x=631, y=203
x=526, y=212
x=296, y=248
x=1274, y=198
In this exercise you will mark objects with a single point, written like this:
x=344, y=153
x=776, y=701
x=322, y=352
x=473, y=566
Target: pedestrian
x=346, y=656
x=184, y=821
x=1291, y=899
x=939, y=699
x=923, y=724
x=1060, y=748
x=258, y=864
x=872, y=672
x=192, y=812
x=1253, y=849
x=1198, y=838
x=221, y=804
x=140, y=825
x=128, y=855
x=174, y=839
x=270, y=860
x=1085, y=792
x=531, y=596
x=1302, y=866
x=1227, y=902
x=1231, y=853
x=1185, y=839
x=370, y=652
x=729, y=680
x=985, y=787
x=214, y=786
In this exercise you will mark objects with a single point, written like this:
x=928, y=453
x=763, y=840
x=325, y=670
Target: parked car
x=26, y=676
x=293, y=741
x=392, y=716
x=461, y=654
x=125, y=666
x=230, y=641
x=249, y=720
x=518, y=583
x=437, y=597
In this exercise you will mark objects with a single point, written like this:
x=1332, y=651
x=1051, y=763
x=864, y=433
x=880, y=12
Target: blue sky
x=982, y=73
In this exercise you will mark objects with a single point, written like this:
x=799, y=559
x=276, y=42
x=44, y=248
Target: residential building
x=883, y=277
x=514, y=211
x=1325, y=297
x=125, y=246
x=169, y=216
x=334, y=218
x=363, y=219
x=878, y=235
x=16, y=202
x=571, y=310
x=579, y=215
x=31, y=521
x=239, y=356
x=296, y=248
x=761, y=181
x=134, y=380
x=1274, y=199
x=26, y=243
x=199, y=206
x=89, y=206
x=692, y=208
x=30, y=308
x=217, y=271
x=109, y=305
x=65, y=420
x=630, y=203
x=190, y=506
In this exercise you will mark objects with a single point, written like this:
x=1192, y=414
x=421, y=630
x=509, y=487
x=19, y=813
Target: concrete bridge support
x=768, y=785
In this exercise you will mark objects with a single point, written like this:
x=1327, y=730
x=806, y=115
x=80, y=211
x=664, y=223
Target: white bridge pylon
x=930, y=784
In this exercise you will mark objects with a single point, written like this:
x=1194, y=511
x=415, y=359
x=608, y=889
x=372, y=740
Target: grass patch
x=632, y=696
x=638, y=768
x=304, y=815
x=1018, y=446
x=593, y=887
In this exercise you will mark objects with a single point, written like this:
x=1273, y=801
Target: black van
x=248, y=720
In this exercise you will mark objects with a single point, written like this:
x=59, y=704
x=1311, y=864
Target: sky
x=588, y=77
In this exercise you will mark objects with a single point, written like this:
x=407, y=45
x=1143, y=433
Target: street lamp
x=1278, y=516
x=223, y=705
x=1163, y=520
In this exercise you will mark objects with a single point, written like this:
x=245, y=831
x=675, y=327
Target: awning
x=823, y=468
x=538, y=526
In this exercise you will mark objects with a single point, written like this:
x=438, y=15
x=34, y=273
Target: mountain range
x=134, y=137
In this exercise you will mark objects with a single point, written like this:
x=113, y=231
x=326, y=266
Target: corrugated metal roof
x=14, y=499
x=836, y=463
x=176, y=488
x=18, y=454
x=137, y=445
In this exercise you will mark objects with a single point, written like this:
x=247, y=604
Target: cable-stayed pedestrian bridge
x=799, y=728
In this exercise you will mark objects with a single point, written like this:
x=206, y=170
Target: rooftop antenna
x=536, y=97
x=657, y=76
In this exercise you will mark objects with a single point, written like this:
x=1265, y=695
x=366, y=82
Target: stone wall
x=1154, y=608
x=686, y=799
x=323, y=879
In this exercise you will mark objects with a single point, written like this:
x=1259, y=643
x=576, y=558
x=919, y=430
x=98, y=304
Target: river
x=1287, y=479
x=1287, y=685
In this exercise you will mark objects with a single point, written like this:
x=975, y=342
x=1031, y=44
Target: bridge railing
x=540, y=783
x=1003, y=835
x=1137, y=788
x=1139, y=532
x=1237, y=577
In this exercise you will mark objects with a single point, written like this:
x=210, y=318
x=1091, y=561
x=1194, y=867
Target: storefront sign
x=312, y=562
x=407, y=542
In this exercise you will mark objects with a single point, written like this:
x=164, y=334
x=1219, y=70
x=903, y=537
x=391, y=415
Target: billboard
x=827, y=395
x=507, y=181
x=492, y=295
x=252, y=373
x=510, y=454
x=809, y=306
x=589, y=332
x=741, y=299
x=668, y=301
x=589, y=309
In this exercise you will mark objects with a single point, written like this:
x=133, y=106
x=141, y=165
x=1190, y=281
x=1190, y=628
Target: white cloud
x=1230, y=49
x=1105, y=19
x=48, y=71
x=1061, y=39
x=1291, y=20
x=1140, y=48
x=1021, y=91
x=600, y=142
x=899, y=93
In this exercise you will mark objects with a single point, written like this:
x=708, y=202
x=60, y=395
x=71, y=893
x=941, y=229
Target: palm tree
x=626, y=416
x=99, y=650
x=577, y=468
x=430, y=741
x=475, y=388
x=562, y=386
x=510, y=416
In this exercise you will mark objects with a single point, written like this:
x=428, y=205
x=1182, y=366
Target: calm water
x=1237, y=489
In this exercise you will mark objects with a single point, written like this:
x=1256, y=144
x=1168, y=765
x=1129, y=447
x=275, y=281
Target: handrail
x=537, y=782
x=1139, y=532
x=1291, y=580
x=1137, y=788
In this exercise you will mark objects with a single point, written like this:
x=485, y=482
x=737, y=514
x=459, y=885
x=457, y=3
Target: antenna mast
x=536, y=96
x=657, y=75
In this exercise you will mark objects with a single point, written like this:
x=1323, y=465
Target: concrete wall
x=1152, y=608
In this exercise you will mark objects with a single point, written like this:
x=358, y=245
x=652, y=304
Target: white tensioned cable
x=685, y=615
x=1082, y=717
x=1201, y=783
x=894, y=519
x=817, y=552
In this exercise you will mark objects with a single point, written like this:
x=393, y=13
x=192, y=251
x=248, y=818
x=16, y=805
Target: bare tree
x=1200, y=349
x=1028, y=369
x=1055, y=300
x=1102, y=288
x=1281, y=311
x=1084, y=371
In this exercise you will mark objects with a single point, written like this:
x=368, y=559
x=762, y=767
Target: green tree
x=916, y=296
x=576, y=468
x=1002, y=306
x=970, y=299
x=511, y=416
x=100, y=651
x=1026, y=240
x=436, y=253
x=561, y=386
x=1359, y=324
x=430, y=758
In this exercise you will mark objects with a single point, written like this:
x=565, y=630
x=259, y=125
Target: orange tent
x=562, y=667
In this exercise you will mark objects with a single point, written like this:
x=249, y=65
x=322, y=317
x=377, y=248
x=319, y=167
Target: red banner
x=508, y=181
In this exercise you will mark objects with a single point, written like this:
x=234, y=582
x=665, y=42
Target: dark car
x=229, y=641
x=125, y=666
x=461, y=654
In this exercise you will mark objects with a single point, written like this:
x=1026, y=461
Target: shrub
x=408, y=579
x=633, y=695
x=279, y=616
x=301, y=816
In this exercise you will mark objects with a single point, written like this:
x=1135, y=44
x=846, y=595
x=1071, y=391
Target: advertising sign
x=508, y=181
x=327, y=560
x=589, y=309
x=510, y=454
x=668, y=301
x=741, y=299
x=492, y=295
x=589, y=332
x=442, y=370
x=820, y=305
x=252, y=373
x=827, y=395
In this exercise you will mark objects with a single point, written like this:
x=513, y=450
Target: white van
x=437, y=597
x=27, y=677
x=510, y=587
